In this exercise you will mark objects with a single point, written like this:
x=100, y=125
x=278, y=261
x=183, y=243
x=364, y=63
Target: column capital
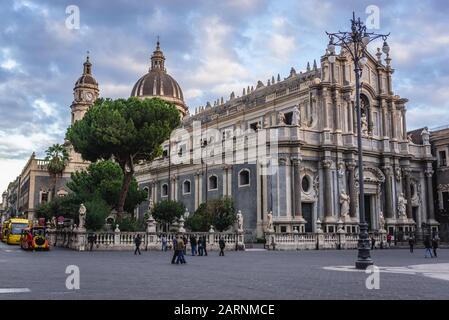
x=387, y=169
x=406, y=171
x=327, y=164
x=295, y=160
x=429, y=173
x=282, y=161
x=351, y=164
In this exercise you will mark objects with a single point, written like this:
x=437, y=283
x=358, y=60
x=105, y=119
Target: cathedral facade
x=313, y=180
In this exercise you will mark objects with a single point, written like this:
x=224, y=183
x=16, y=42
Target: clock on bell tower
x=85, y=92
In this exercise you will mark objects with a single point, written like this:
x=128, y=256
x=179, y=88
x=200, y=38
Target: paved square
x=267, y=275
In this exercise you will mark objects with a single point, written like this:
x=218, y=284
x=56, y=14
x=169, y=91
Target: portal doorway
x=307, y=215
x=368, y=211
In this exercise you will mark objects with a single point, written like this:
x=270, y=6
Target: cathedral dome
x=158, y=83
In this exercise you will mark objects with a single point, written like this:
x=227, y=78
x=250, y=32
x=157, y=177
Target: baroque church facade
x=314, y=182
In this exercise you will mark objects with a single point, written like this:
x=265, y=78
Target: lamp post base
x=364, y=258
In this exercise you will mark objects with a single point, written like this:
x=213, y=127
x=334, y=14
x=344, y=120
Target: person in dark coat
x=373, y=243
x=435, y=246
x=222, y=245
x=175, y=250
x=200, y=246
x=205, y=245
x=411, y=243
x=92, y=238
x=137, y=242
x=428, y=246
x=184, y=239
x=193, y=244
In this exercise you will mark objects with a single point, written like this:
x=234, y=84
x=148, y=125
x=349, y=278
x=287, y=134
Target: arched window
x=186, y=187
x=165, y=190
x=213, y=182
x=305, y=184
x=244, y=178
x=147, y=192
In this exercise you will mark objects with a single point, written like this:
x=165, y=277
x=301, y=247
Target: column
x=352, y=190
x=328, y=207
x=384, y=119
x=388, y=171
x=325, y=110
x=350, y=116
x=296, y=191
x=430, y=204
x=408, y=192
x=393, y=121
x=197, y=191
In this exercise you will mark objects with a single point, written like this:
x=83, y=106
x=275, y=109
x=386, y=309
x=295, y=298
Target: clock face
x=89, y=96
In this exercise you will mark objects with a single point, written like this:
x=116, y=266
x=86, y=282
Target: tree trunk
x=127, y=178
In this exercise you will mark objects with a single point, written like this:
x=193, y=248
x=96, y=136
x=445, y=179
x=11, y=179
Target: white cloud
x=43, y=108
x=11, y=168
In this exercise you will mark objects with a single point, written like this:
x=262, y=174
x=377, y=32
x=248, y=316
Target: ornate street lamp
x=355, y=42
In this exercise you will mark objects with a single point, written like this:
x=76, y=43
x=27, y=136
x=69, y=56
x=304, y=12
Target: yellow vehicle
x=14, y=230
x=4, y=231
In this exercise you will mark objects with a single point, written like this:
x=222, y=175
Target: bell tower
x=85, y=92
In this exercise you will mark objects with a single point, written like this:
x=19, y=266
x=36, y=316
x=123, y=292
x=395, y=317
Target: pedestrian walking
x=205, y=245
x=193, y=244
x=389, y=240
x=184, y=238
x=164, y=243
x=221, y=244
x=137, y=242
x=181, y=247
x=428, y=246
x=373, y=243
x=92, y=238
x=411, y=243
x=435, y=246
x=175, y=250
x=200, y=246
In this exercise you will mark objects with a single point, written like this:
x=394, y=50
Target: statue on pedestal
x=381, y=221
x=344, y=201
x=281, y=119
x=82, y=216
x=239, y=221
x=402, y=202
x=270, y=222
x=296, y=120
x=364, y=124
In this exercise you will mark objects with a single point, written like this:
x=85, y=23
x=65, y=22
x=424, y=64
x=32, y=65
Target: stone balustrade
x=318, y=241
x=78, y=240
x=117, y=240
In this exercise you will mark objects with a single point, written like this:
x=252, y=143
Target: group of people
x=198, y=247
x=429, y=245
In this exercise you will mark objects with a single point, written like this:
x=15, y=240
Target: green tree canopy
x=167, y=211
x=127, y=130
x=103, y=180
x=217, y=212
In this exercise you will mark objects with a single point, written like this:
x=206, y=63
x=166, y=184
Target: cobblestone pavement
x=238, y=275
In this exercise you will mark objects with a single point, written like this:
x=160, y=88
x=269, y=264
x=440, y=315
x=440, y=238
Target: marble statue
x=425, y=136
x=402, y=202
x=344, y=201
x=82, y=216
x=281, y=118
x=270, y=222
x=239, y=221
x=296, y=116
x=381, y=221
x=364, y=124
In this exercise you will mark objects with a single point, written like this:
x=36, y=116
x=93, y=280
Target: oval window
x=305, y=183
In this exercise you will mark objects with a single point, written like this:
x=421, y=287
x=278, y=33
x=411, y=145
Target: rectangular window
x=44, y=197
x=443, y=160
x=288, y=118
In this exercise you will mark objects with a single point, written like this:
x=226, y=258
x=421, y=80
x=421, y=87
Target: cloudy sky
x=212, y=48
